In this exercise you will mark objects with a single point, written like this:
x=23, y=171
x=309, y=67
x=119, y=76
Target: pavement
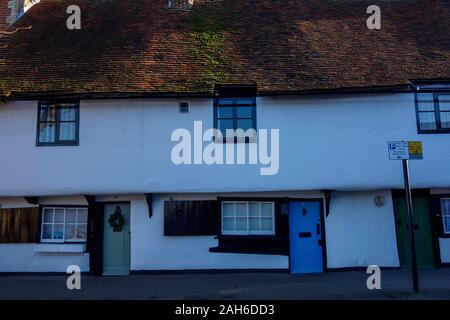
x=395, y=284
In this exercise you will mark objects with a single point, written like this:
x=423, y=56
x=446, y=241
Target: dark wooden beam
x=149, y=199
x=90, y=200
x=32, y=200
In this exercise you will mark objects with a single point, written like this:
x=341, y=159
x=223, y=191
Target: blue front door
x=305, y=233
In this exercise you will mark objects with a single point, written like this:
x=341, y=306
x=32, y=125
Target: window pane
x=67, y=114
x=445, y=120
x=244, y=112
x=253, y=209
x=67, y=131
x=241, y=210
x=447, y=224
x=244, y=124
x=425, y=96
x=426, y=106
x=444, y=106
x=58, y=231
x=48, y=215
x=82, y=215
x=225, y=112
x=47, y=132
x=81, y=231
x=225, y=124
x=46, y=231
x=59, y=215
x=226, y=102
x=228, y=210
x=228, y=224
x=445, y=204
x=70, y=231
x=266, y=224
x=245, y=101
x=266, y=210
x=48, y=113
x=241, y=224
x=254, y=224
x=427, y=120
x=71, y=215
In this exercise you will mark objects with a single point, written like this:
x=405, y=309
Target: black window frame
x=57, y=121
x=234, y=106
x=436, y=111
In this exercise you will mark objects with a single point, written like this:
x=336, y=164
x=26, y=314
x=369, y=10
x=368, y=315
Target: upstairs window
x=445, y=205
x=433, y=112
x=58, y=123
x=235, y=108
x=233, y=114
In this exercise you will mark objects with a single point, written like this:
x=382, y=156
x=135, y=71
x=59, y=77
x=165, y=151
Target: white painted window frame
x=63, y=240
x=248, y=232
x=444, y=215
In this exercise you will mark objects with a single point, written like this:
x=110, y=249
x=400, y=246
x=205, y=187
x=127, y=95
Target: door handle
x=320, y=242
x=317, y=228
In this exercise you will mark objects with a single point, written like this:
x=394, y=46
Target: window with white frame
x=248, y=218
x=445, y=205
x=64, y=224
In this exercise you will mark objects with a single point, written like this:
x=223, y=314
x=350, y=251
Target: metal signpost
x=408, y=150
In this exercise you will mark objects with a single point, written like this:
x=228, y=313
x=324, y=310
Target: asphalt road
x=395, y=284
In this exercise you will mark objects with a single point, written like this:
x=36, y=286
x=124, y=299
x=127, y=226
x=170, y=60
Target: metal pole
x=412, y=243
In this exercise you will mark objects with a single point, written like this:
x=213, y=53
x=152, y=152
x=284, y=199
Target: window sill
x=59, y=248
x=243, y=250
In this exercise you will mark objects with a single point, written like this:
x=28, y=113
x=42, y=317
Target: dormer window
x=433, y=109
x=235, y=108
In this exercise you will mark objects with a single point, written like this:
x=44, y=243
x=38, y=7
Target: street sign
x=408, y=150
x=405, y=150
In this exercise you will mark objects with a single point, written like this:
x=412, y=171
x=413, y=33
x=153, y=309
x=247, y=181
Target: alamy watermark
x=74, y=279
x=374, y=280
x=235, y=148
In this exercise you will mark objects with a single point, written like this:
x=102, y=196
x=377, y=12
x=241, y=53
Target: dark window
x=433, y=112
x=58, y=123
x=235, y=113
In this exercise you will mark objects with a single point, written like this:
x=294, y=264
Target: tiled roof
x=141, y=47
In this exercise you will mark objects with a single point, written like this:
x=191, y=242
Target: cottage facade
x=88, y=176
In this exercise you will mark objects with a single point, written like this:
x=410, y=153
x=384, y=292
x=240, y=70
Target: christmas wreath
x=116, y=220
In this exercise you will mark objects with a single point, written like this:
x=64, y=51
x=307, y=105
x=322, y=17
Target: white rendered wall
x=151, y=250
x=326, y=142
x=358, y=233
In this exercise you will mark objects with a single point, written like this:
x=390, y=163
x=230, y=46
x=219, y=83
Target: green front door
x=116, y=239
x=422, y=233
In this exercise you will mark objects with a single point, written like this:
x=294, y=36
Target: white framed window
x=248, y=218
x=445, y=205
x=61, y=224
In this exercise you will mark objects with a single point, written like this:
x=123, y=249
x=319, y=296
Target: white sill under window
x=59, y=248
